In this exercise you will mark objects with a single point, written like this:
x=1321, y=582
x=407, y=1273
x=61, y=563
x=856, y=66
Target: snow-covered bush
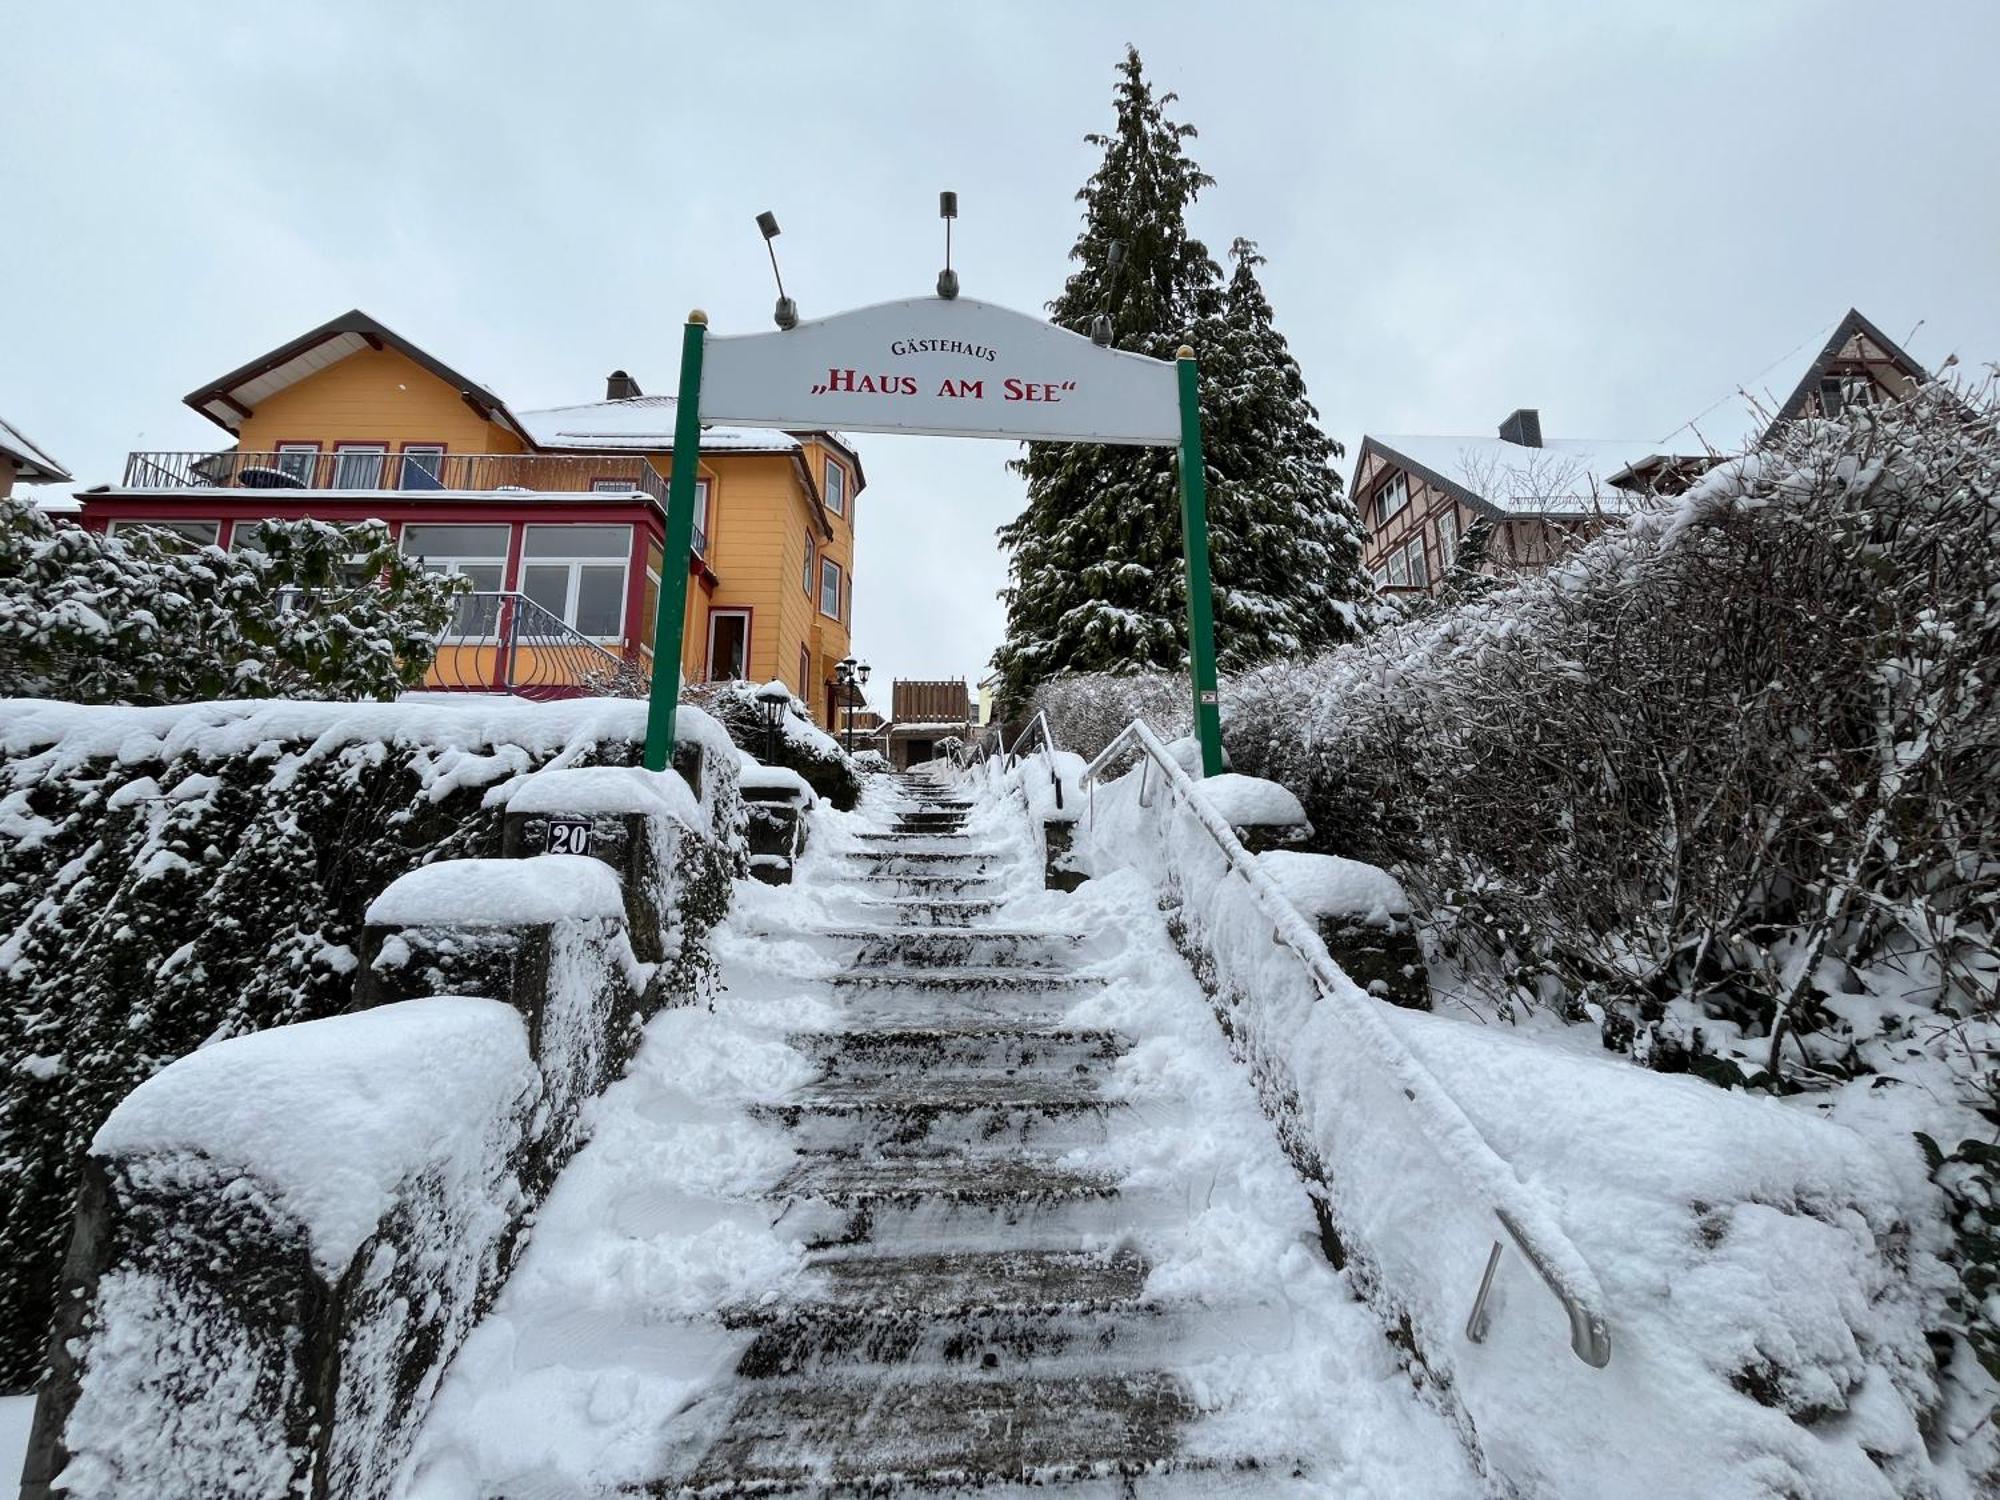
x=1726, y=782
x=871, y=763
x=313, y=611
x=169, y=876
x=1088, y=709
x=801, y=744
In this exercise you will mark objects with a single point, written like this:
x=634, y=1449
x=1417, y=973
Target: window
x=728, y=645
x=423, y=466
x=829, y=587
x=476, y=553
x=805, y=674
x=1448, y=537
x=358, y=466
x=806, y=578
x=699, y=539
x=300, y=462
x=649, y=601
x=1419, y=566
x=1391, y=498
x=195, y=533
x=577, y=573
x=1381, y=577
x=1837, y=392
x=836, y=488
x=1399, y=570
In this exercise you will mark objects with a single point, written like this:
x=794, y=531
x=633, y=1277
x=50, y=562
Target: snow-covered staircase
x=956, y=1189
x=963, y=1326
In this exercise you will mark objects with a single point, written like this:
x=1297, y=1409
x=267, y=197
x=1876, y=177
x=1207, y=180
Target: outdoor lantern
x=786, y=314
x=850, y=675
x=775, y=699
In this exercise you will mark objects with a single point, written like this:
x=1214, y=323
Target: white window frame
x=576, y=563
x=420, y=451
x=749, y=619
x=810, y=575
x=344, y=451
x=1399, y=570
x=1398, y=485
x=310, y=452
x=839, y=590
x=836, y=487
x=453, y=565
x=1419, y=564
x=1448, y=537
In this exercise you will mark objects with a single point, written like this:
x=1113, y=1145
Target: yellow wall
x=374, y=395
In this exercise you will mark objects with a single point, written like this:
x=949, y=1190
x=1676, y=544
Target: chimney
x=1523, y=429
x=618, y=386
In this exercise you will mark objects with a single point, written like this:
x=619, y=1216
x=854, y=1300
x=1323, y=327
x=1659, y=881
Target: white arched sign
x=945, y=367
x=953, y=369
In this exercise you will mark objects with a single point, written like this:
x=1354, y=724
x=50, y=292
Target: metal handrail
x=533, y=653
x=408, y=473
x=1012, y=755
x=1540, y=1239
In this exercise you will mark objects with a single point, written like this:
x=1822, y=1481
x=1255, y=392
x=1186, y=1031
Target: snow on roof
x=645, y=422
x=32, y=463
x=1564, y=476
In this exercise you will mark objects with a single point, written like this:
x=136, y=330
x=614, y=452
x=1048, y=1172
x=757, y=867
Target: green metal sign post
x=1194, y=545
x=667, y=626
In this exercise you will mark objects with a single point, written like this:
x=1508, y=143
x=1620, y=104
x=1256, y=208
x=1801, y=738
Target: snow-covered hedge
x=1088, y=709
x=1768, y=1279
x=308, y=1221
x=801, y=744
x=1724, y=785
x=172, y=876
x=314, y=610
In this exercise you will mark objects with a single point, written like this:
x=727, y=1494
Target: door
x=728, y=644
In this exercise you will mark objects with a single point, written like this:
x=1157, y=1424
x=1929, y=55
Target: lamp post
x=776, y=700
x=850, y=674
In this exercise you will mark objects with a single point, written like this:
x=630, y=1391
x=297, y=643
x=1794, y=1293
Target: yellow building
x=556, y=516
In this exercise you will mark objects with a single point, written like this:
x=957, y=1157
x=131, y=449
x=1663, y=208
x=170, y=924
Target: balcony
x=408, y=473
x=506, y=643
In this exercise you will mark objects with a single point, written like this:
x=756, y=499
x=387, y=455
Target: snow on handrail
x=1041, y=721
x=1528, y=1224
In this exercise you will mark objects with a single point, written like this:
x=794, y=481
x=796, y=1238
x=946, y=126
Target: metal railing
x=507, y=643
x=1038, y=724
x=1539, y=1238
x=410, y=473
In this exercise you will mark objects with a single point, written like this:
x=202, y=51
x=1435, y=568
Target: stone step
x=924, y=1048
x=1002, y=1184
x=934, y=885
x=925, y=861
x=911, y=835
x=964, y=980
x=924, y=1432
x=964, y=1283
x=933, y=911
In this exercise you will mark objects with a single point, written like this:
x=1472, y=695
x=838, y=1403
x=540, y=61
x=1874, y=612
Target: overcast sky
x=1618, y=213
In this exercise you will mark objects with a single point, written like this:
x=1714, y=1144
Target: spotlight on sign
x=947, y=278
x=786, y=314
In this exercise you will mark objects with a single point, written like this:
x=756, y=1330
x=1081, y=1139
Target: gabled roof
x=31, y=464
x=645, y=424
x=1562, y=477
x=228, y=400
x=1844, y=334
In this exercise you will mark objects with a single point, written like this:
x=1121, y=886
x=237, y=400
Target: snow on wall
x=500, y=893
x=1762, y=1271
x=367, y=1160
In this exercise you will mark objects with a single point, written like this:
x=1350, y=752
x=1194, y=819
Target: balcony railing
x=507, y=643
x=416, y=473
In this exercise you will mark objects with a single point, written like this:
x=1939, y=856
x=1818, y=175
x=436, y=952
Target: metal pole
x=1194, y=542
x=667, y=628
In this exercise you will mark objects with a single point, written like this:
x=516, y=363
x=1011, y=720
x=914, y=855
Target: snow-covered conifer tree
x=1284, y=540
x=1096, y=574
